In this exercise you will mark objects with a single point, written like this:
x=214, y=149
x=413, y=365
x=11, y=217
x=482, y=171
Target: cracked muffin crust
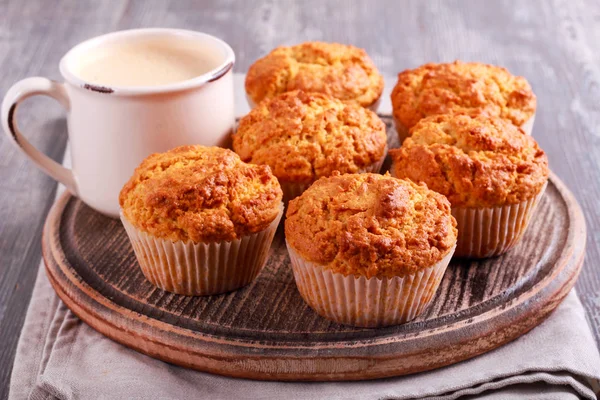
x=200, y=194
x=304, y=136
x=474, y=161
x=370, y=225
x=342, y=71
x=458, y=87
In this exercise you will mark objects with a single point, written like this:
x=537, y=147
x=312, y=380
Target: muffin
x=467, y=88
x=341, y=71
x=491, y=172
x=305, y=136
x=369, y=250
x=200, y=220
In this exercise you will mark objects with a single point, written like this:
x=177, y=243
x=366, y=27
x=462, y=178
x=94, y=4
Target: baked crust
x=304, y=136
x=474, y=161
x=469, y=88
x=342, y=71
x=370, y=225
x=200, y=194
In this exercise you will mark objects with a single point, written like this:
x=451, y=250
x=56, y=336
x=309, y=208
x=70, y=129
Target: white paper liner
x=199, y=269
x=362, y=302
x=251, y=102
x=402, y=130
x=488, y=232
x=373, y=107
x=528, y=126
x=291, y=190
x=376, y=167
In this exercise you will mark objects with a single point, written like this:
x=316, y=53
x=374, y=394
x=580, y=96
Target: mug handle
x=16, y=94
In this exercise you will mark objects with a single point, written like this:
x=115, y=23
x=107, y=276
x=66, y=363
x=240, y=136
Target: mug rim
x=214, y=74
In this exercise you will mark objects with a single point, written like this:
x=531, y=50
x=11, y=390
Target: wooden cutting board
x=265, y=330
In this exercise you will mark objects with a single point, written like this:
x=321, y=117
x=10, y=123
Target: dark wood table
x=552, y=43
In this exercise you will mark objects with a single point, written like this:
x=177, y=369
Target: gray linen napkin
x=60, y=357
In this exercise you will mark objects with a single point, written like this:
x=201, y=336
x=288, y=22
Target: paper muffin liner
x=528, y=126
x=199, y=269
x=362, y=302
x=402, y=130
x=488, y=232
x=251, y=102
x=373, y=107
x=376, y=167
x=291, y=190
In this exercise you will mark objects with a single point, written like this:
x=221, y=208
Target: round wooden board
x=266, y=331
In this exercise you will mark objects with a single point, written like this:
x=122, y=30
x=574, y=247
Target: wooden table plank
x=552, y=43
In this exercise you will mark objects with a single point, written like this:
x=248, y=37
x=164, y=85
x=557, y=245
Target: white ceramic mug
x=112, y=129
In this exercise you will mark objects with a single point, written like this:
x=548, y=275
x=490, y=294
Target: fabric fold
x=60, y=357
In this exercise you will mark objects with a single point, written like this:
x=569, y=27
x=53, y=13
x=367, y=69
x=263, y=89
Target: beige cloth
x=59, y=357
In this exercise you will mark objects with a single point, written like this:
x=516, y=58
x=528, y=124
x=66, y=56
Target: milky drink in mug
x=129, y=94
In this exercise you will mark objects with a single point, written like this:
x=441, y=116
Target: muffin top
x=458, y=87
x=304, y=136
x=342, y=71
x=370, y=225
x=200, y=194
x=474, y=161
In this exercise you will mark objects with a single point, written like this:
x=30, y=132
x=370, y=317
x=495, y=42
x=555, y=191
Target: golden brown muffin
x=304, y=136
x=342, y=71
x=474, y=161
x=200, y=194
x=468, y=88
x=370, y=225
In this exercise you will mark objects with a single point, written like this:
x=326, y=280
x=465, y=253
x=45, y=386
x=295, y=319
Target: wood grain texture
x=552, y=43
x=266, y=331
